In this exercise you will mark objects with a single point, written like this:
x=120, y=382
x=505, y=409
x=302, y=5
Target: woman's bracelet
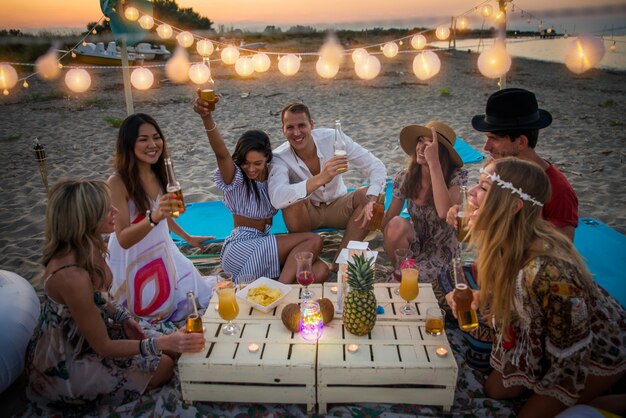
x=213, y=128
x=149, y=216
x=121, y=314
x=147, y=347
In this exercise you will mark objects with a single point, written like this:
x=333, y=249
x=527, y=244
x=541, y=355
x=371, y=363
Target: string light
x=613, y=47
x=131, y=13
x=47, y=65
x=359, y=53
x=78, y=80
x=8, y=76
x=164, y=31
x=261, y=62
x=25, y=84
x=486, y=10
x=244, y=66
x=199, y=73
x=584, y=53
x=141, y=78
x=442, y=33
x=390, y=49
x=462, y=23
x=494, y=62
x=185, y=39
x=146, y=22
x=418, y=41
x=289, y=64
x=204, y=47
x=230, y=55
x=367, y=68
x=177, y=67
x=326, y=68
x=426, y=65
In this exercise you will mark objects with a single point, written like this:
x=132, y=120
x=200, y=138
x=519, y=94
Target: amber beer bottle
x=378, y=212
x=463, y=296
x=173, y=186
x=194, y=320
x=463, y=216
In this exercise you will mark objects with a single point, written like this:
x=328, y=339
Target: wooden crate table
x=396, y=363
x=281, y=371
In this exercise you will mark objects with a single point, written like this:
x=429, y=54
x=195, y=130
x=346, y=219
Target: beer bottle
x=194, y=320
x=463, y=216
x=378, y=211
x=340, y=143
x=463, y=297
x=173, y=186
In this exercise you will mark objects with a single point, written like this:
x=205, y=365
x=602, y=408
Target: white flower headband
x=508, y=185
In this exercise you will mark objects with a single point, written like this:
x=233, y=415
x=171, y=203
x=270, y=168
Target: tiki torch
x=40, y=156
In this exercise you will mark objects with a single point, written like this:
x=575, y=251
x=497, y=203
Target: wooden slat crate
x=396, y=363
x=281, y=371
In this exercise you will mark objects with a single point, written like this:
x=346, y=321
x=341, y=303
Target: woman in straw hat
x=559, y=337
x=430, y=185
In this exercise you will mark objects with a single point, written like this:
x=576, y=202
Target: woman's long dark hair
x=413, y=179
x=125, y=162
x=252, y=141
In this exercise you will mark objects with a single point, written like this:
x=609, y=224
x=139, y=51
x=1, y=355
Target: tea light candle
x=441, y=352
x=353, y=348
x=333, y=289
x=253, y=348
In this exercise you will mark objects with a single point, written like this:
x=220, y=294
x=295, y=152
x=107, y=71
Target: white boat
x=151, y=52
x=96, y=54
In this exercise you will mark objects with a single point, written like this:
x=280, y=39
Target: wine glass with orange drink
x=228, y=307
x=409, y=289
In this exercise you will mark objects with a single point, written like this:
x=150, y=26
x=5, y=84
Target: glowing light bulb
x=164, y=31
x=185, y=39
x=146, y=22
x=8, y=76
x=494, y=62
x=462, y=23
x=289, y=64
x=131, y=13
x=204, y=47
x=95, y=32
x=5, y=92
x=426, y=65
x=78, y=80
x=584, y=53
x=199, y=73
x=390, y=49
x=418, y=41
x=442, y=33
x=486, y=10
x=261, y=62
x=141, y=78
x=613, y=47
x=244, y=66
x=326, y=68
x=73, y=54
x=25, y=84
x=367, y=68
x=359, y=53
x=177, y=67
x=230, y=55
x=47, y=66
x=332, y=52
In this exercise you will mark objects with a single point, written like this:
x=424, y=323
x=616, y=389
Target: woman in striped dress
x=251, y=249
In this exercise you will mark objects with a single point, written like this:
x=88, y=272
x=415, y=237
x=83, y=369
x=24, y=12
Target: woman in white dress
x=150, y=275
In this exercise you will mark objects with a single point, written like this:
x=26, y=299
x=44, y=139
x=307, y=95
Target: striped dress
x=248, y=251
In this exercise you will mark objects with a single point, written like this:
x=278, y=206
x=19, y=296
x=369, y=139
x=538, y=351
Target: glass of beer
x=434, y=321
x=208, y=95
x=228, y=308
x=409, y=289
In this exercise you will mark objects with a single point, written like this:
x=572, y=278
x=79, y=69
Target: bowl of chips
x=264, y=294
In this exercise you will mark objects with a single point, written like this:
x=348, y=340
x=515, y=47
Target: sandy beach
x=585, y=140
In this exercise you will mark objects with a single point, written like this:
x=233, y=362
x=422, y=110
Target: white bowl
x=274, y=284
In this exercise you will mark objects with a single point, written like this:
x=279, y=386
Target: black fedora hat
x=511, y=109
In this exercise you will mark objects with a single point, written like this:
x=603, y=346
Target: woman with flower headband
x=559, y=337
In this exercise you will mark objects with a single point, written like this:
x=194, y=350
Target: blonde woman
x=87, y=351
x=559, y=338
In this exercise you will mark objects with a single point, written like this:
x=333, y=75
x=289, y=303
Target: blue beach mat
x=604, y=251
x=212, y=218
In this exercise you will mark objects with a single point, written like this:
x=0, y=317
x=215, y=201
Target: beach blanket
x=212, y=218
x=604, y=251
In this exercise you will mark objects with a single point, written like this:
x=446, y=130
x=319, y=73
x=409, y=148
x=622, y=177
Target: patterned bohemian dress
x=248, y=251
x=64, y=373
x=564, y=332
x=435, y=241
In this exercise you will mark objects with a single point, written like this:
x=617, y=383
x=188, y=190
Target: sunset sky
x=48, y=14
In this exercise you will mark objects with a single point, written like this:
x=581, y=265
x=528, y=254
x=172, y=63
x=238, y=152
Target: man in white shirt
x=306, y=183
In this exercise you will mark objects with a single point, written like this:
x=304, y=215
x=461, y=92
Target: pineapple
x=359, y=314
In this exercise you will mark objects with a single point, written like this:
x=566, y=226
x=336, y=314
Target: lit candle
x=353, y=348
x=333, y=289
x=253, y=348
x=441, y=352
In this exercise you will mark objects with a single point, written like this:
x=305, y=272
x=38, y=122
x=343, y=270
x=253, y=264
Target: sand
x=585, y=140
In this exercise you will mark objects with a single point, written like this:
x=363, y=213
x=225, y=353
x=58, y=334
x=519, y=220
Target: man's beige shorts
x=332, y=215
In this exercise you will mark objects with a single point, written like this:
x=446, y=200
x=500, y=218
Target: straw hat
x=445, y=135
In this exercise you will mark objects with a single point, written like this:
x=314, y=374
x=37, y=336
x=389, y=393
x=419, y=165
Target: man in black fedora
x=511, y=125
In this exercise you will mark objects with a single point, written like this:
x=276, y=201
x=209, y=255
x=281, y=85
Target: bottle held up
x=378, y=211
x=340, y=144
x=173, y=186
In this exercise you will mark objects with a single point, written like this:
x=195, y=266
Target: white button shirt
x=289, y=174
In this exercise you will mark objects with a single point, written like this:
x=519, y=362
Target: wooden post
x=502, y=35
x=453, y=37
x=128, y=95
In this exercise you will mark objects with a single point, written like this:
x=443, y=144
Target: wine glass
x=402, y=255
x=409, y=289
x=228, y=307
x=304, y=272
